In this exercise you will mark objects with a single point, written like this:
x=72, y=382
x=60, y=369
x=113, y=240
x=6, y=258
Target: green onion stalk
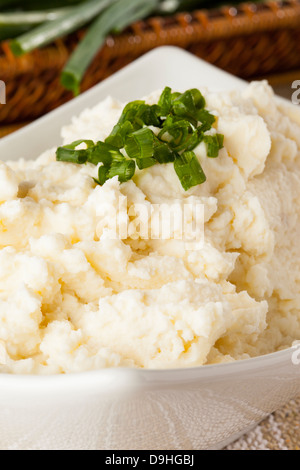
x=68, y=23
x=37, y=4
x=31, y=25
x=116, y=17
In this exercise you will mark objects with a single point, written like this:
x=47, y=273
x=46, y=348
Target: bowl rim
x=144, y=378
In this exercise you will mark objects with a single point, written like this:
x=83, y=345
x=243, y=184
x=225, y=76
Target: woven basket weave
x=248, y=41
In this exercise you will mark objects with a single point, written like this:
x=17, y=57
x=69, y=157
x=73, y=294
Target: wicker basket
x=248, y=41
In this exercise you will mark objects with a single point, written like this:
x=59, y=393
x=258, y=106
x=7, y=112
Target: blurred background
x=52, y=50
x=50, y=53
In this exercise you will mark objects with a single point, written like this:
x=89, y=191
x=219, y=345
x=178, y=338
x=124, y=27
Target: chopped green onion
x=188, y=104
x=134, y=117
x=124, y=170
x=189, y=170
x=176, y=132
x=144, y=163
x=104, y=153
x=150, y=115
x=163, y=153
x=206, y=119
x=88, y=143
x=165, y=101
x=71, y=156
x=175, y=95
x=214, y=143
x=177, y=138
x=140, y=144
x=69, y=153
x=102, y=175
x=221, y=140
x=118, y=136
x=130, y=111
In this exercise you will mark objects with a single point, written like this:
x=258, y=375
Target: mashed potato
x=74, y=296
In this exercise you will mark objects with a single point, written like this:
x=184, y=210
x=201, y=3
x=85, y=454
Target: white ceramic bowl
x=119, y=409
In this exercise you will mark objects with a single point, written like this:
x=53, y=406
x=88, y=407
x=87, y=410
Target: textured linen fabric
x=280, y=431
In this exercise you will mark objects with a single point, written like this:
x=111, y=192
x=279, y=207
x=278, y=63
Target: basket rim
x=200, y=24
x=32, y=81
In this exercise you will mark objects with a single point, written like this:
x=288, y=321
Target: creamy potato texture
x=74, y=297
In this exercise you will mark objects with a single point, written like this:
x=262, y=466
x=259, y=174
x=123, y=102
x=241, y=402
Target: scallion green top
x=182, y=123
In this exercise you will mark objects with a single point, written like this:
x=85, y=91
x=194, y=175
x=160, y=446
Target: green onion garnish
x=163, y=152
x=104, y=153
x=189, y=170
x=69, y=153
x=213, y=144
x=165, y=101
x=124, y=170
x=140, y=144
x=149, y=135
